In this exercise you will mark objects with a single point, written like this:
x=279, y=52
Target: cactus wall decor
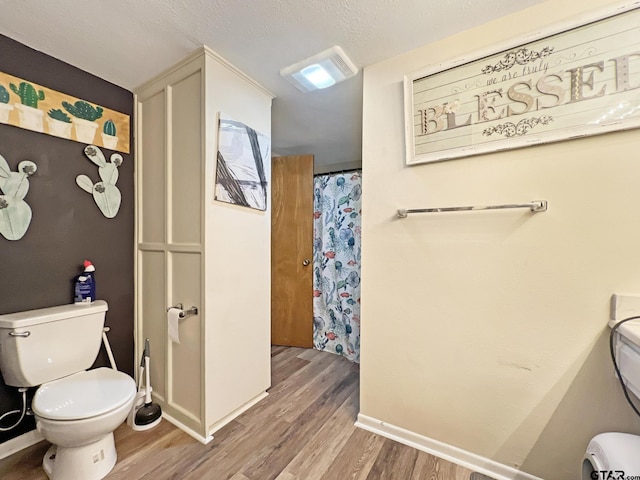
x=4, y=95
x=59, y=115
x=85, y=115
x=83, y=110
x=29, y=115
x=29, y=96
x=5, y=108
x=15, y=213
x=109, y=128
x=105, y=193
x=109, y=138
x=59, y=123
x=33, y=107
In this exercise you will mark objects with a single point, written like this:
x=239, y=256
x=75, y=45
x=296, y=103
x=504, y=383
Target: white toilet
x=76, y=409
x=613, y=451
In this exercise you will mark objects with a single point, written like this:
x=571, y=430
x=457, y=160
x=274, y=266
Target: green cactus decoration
x=105, y=193
x=4, y=95
x=28, y=95
x=109, y=128
x=83, y=110
x=58, y=114
x=15, y=213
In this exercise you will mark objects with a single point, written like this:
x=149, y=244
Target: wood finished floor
x=302, y=430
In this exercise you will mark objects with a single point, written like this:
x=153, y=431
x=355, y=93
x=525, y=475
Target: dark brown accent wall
x=67, y=226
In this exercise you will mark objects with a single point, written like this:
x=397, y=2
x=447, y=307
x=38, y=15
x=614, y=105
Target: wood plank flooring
x=302, y=431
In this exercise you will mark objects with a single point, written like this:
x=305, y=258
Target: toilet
x=614, y=451
x=75, y=409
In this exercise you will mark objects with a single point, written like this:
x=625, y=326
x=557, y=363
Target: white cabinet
x=193, y=250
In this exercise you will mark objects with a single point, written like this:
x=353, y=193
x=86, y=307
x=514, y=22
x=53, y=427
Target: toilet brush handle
x=147, y=376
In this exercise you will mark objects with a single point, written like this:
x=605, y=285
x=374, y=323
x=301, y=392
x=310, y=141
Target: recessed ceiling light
x=320, y=71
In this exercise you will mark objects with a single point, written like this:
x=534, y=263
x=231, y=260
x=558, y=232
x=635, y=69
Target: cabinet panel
x=186, y=164
x=186, y=356
x=154, y=318
x=152, y=170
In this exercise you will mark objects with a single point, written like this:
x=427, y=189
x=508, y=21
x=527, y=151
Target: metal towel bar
x=535, y=206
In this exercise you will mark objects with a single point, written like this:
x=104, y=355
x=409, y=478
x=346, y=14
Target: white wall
x=237, y=256
x=488, y=330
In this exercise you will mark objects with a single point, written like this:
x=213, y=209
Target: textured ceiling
x=129, y=41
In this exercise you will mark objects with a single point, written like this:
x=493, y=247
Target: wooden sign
x=30, y=106
x=582, y=81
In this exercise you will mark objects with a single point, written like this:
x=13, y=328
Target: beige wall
x=238, y=258
x=488, y=330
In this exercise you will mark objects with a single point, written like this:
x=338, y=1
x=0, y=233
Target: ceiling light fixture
x=320, y=71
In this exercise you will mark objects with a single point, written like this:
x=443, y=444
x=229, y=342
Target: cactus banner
x=30, y=106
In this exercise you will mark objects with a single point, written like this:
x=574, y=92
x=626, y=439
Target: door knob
x=306, y=262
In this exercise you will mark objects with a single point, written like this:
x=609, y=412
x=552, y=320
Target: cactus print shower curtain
x=336, y=264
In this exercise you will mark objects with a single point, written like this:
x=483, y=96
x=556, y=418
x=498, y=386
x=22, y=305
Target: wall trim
x=187, y=430
x=442, y=450
x=236, y=413
x=193, y=56
x=20, y=443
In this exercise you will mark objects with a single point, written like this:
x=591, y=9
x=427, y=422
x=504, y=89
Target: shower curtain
x=336, y=264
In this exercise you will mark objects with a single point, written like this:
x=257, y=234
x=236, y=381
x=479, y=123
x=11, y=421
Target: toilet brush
x=148, y=414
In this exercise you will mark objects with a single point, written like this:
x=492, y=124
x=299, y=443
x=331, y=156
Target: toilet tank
x=627, y=351
x=38, y=346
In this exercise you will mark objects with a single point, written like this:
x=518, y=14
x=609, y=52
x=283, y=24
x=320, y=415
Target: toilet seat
x=84, y=395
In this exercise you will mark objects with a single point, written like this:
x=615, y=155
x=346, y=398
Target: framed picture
x=240, y=172
x=560, y=83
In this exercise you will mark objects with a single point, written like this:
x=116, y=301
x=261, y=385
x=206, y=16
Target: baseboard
x=238, y=411
x=216, y=426
x=442, y=450
x=187, y=430
x=19, y=443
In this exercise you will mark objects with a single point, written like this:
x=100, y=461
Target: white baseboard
x=19, y=443
x=216, y=426
x=187, y=430
x=237, y=412
x=442, y=450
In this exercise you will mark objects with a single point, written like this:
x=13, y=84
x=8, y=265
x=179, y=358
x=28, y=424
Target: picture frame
x=240, y=165
x=566, y=81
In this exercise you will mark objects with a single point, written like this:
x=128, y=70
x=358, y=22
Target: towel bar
x=535, y=206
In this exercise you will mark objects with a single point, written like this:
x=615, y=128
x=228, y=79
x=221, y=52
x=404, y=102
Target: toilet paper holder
x=184, y=313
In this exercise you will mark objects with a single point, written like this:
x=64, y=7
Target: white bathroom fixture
x=610, y=453
x=627, y=353
x=75, y=409
x=616, y=451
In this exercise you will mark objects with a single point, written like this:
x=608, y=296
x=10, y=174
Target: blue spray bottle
x=85, y=288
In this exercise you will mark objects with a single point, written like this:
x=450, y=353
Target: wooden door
x=292, y=251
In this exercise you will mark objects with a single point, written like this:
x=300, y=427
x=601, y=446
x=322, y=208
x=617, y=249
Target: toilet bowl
x=78, y=409
x=78, y=415
x=75, y=409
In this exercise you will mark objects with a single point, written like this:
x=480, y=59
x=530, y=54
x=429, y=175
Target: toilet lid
x=84, y=394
